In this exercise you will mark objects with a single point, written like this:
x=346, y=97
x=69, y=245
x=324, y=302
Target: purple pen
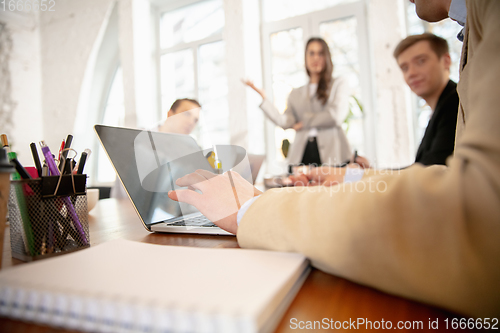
x=54, y=171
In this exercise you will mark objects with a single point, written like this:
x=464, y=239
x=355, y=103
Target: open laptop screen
x=148, y=164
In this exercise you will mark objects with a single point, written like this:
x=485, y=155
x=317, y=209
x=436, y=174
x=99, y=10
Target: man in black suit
x=425, y=62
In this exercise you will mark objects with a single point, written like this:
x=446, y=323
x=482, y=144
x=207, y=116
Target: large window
x=192, y=65
x=341, y=36
x=343, y=28
x=287, y=70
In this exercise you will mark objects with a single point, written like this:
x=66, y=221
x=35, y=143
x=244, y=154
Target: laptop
x=148, y=164
x=255, y=165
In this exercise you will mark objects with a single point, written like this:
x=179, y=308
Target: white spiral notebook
x=125, y=286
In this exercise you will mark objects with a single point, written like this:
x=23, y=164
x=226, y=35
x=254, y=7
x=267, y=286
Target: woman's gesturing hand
x=258, y=90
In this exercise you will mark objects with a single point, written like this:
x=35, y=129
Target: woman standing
x=316, y=111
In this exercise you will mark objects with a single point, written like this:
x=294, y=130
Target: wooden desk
x=321, y=296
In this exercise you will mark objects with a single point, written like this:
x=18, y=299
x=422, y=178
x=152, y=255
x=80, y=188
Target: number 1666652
x=28, y=5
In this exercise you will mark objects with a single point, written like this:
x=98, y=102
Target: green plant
x=355, y=110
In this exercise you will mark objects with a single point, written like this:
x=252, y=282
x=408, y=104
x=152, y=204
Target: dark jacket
x=439, y=138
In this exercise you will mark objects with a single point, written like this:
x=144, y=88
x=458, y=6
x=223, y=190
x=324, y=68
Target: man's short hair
x=178, y=102
x=438, y=45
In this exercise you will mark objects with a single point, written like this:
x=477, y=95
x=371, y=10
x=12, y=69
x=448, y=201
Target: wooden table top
x=322, y=297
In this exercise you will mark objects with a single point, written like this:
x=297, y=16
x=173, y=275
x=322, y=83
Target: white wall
x=68, y=38
x=20, y=81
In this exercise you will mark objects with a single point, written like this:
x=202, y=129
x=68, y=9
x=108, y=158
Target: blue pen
x=54, y=171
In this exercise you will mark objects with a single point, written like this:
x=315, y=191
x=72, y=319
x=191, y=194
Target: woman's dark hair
x=178, y=102
x=325, y=79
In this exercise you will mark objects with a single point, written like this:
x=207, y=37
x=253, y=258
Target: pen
x=81, y=163
x=27, y=232
x=50, y=238
x=45, y=170
x=69, y=140
x=60, y=151
x=36, y=158
x=68, y=168
x=20, y=169
x=60, y=154
x=10, y=154
x=355, y=156
x=54, y=171
x=83, y=159
x=5, y=142
x=64, y=150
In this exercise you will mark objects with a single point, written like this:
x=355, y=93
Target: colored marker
x=27, y=232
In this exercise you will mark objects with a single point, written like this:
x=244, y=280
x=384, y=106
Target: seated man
x=181, y=119
x=428, y=233
x=425, y=63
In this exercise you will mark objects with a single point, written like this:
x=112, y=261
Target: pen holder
x=45, y=222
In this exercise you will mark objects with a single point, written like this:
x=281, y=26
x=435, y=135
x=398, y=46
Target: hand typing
x=221, y=195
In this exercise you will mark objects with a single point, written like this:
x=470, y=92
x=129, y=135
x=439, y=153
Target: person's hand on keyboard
x=221, y=197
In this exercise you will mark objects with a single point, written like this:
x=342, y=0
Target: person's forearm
x=285, y=120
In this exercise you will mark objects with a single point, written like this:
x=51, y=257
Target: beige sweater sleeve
x=428, y=233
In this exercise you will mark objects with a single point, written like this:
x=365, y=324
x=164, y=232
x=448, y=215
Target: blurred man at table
x=181, y=119
x=425, y=63
x=429, y=233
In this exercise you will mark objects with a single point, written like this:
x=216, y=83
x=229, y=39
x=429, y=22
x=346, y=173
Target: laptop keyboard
x=196, y=221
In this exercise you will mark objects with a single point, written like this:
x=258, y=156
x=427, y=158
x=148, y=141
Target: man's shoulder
x=452, y=84
x=449, y=97
x=446, y=111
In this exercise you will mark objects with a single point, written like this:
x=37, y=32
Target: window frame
x=193, y=46
x=310, y=23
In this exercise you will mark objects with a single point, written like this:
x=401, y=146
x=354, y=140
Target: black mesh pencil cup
x=48, y=216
